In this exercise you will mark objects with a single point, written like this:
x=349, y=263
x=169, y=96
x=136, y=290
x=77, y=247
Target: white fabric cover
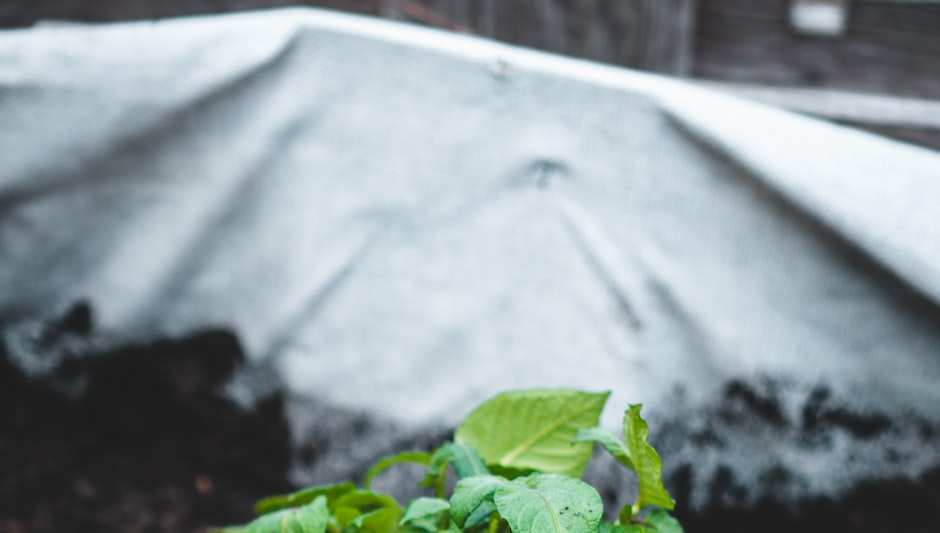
x=403, y=222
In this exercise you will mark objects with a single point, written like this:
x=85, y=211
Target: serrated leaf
x=470, y=493
x=663, y=522
x=609, y=441
x=534, y=429
x=646, y=461
x=310, y=518
x=421, y=508
x=385, y=463
x=549, y=503
x=302, y=497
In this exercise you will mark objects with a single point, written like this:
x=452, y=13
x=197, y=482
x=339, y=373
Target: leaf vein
x=512, y=454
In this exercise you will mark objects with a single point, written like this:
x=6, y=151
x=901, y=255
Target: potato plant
x=518, y=459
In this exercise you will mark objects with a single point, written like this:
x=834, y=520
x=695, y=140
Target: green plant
x=517, y=458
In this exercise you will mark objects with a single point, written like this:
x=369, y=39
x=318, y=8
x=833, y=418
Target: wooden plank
x=877, y=110
x=654, y=35
x=20, y=13
x=912, y=120
x=928, y=138
x=888, y=47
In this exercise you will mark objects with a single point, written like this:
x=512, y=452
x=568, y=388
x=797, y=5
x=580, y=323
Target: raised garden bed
x=151, y=446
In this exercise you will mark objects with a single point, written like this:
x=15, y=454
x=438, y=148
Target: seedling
x=518, y=459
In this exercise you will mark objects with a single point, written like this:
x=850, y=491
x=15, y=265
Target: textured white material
x=404, y=221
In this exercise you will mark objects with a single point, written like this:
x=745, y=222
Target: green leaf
x=549, y=503
x=646, y=460
x=617, y=528
x=608, y=527
x=470, y=493
x=663, y=522
x=509, y=473
x=466, y=460
x=385, y=463
x=534, y=429
x=343, y=517
x=626, y=514
x=269, y=523
x=382, y=520
x=369, y=511
x=481, y=514
x=363, y=500
x=422, y=508
x=609, y=441
x=301, y=497
x=310, y=518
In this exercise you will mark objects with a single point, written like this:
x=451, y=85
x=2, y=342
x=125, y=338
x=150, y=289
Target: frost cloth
x=401, y=221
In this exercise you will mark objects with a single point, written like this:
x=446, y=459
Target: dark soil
x=151, y=446
x=887, y=505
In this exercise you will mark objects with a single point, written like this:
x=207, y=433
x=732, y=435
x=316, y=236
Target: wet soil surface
x=152, y=446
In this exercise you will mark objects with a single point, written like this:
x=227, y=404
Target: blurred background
x=873, y=64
